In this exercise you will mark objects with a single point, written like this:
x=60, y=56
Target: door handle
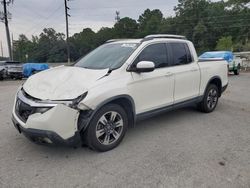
x=168, y=74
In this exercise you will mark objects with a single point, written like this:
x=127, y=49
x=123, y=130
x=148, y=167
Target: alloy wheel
x=109, y=128
x=212, y=98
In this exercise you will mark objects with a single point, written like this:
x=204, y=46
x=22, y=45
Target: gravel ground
x=183, y=148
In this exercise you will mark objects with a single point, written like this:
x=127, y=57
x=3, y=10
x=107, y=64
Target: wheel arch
x=216, y=80
x=124, y=101
x=127, y=103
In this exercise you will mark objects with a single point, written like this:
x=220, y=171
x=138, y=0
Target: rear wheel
x=237, y=71
x=210, y=100
x=107, y=128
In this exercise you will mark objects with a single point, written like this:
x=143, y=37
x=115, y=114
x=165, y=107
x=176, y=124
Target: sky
x=30, y=17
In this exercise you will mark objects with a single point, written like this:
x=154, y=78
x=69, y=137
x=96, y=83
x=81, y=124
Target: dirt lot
x=184, y=148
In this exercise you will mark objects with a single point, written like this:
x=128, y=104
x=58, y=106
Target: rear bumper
x=45, y=137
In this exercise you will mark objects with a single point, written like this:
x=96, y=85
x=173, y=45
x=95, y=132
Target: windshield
x=107, y=56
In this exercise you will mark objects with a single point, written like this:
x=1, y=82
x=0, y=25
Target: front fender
x=86, y=115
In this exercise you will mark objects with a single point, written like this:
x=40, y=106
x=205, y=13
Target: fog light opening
x=44, y=140
x=47, y=140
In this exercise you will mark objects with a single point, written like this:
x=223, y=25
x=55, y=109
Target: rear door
x=186, y=72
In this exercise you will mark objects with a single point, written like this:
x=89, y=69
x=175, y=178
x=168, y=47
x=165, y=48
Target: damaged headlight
x=42, y=110
x=42, y=106
x=75, y=103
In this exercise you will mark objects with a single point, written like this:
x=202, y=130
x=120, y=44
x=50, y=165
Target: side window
x=189, y=56
x=181, y=54
x=156, y=53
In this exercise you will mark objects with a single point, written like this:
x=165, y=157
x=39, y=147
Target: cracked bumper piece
x=57, y=126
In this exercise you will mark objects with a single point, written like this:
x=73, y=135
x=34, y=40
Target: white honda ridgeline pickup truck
x=96, y=100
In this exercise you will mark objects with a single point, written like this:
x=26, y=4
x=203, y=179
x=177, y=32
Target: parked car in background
x=233, y=63
x=33, y=68
x=11, y=69
x=238, y=61
x=108, y=90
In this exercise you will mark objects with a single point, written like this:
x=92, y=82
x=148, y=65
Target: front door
x=154, y=89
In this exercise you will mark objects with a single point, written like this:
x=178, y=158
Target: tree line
x=210, y=25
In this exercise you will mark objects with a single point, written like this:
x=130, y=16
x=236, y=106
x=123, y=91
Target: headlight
x=42, y=110
x=76, y=101
x=45, y=105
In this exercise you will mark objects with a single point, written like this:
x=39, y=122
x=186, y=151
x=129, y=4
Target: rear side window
x=156, y=53
x=180, y=54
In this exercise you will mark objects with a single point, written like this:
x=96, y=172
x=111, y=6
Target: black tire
x=237, y=71
x=1, y=75
x=210, y=99
x=107, y=131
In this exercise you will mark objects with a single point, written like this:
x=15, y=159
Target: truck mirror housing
x=145, y=66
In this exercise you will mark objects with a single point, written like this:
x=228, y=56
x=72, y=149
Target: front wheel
x=210, y=100
x=107, y=128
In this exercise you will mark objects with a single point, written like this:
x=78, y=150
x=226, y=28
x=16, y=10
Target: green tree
x=238, y=4
x=82, y=43
x=150, y=22
x=126, y=28
x=188, y=14
x=200, y=30
x=51, y=46
x=169, y=26
x=104, y=34
x=225, y=43
x=22, y=47
x=204, y=22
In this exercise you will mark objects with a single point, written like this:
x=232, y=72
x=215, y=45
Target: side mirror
x=145, y=66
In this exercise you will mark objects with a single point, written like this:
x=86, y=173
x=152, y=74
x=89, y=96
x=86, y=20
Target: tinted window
x=189, y=56
x=181, y=54
x=156, y=53
x=107, y=56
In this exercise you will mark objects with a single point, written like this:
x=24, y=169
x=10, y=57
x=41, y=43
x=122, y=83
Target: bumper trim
x=44, y=137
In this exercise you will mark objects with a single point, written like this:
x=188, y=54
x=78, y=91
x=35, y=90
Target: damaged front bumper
x=45, y=137
x=57, y=125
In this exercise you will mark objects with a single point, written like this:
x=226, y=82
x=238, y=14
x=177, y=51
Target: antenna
x=117, y=17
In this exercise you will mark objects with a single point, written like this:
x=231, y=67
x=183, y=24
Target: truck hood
x=62, y=83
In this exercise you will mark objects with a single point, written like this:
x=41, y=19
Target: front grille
x=23, y=110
